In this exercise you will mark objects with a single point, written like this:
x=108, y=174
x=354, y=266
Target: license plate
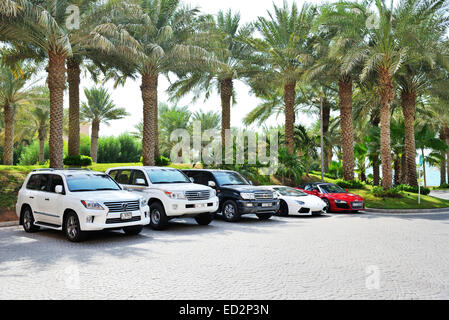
x=266, y=204
x=126, y=215
x=200, y=205
x=357, y=205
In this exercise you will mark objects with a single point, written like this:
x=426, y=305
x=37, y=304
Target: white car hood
x=180, y=186
x=104, y=196
x=309, y=200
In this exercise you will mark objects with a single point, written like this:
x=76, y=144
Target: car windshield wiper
x=105, y=189
x=80, y=190
x=180, y=182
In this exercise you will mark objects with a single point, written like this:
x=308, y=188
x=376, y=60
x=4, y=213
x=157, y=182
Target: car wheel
x=72, y=228
x=204, y=218
x=264, y=216
x=28, y=221
x=283, y=209
x=327, y=208
x=158, y=217
x=133, y=230
x=230, y=211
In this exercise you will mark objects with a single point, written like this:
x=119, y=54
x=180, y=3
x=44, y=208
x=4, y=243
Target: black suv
x=237, y=196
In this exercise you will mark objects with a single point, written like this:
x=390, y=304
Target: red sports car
x=337, y=198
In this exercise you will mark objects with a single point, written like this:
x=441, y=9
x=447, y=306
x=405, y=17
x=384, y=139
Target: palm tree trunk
x=424, y=167
x=41, y=136
x=329, y=157
x=8, y=151
x=403, y=169
x=386, y=95
x=397, y=171
x=73, y=78
x=94, y=140
x=289, y=101
x=347, y=131
x=56, y=85
x=326, y=119
x=149, y=97
x=376, y=171
x=226, y=87
x=443, y=160
x=408, y=102
x=446, y=135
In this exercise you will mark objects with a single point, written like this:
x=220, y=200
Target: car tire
x=204, y=219
x=158, y=217
x=327, y=208
x=264, y=216
x=230, y=211
x=133, y=230
x=283, y=209
x=28, y=221
x=72, y=228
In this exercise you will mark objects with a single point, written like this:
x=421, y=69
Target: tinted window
x=287, y=191
x=123, y=177
x=198, y=177
x=138, y=174
x=91, y=182
x=33, y=182
x=113, y=173
x=158, y=176
x=229, y=178
x=332, y=188
x=55, y=181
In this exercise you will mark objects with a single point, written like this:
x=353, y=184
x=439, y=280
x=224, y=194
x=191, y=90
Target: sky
x=129, y=95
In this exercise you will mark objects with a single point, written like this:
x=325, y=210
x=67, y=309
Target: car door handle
x=47, y=199
x=31, y=197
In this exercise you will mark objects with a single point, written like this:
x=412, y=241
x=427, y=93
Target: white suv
x=77, y=201
x=169, y=192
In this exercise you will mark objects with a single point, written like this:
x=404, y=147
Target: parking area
x=337, y=256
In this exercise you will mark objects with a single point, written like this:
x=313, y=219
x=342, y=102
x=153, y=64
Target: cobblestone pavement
x=339, y=256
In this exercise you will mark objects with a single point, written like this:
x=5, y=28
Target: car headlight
x=92, y=205
x=213, y=193
x=143, y=202
x=247, y=195
x=175, y=195
x=340, y=201
x=300, y=202
x=275, y=195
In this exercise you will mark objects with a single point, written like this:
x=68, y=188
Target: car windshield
x=226, y=178
x=287, y=191
x=91, y=182
x=160, y=176
x=332, y=188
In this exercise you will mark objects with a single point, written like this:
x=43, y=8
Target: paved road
x=443, y=194
x=346, y=256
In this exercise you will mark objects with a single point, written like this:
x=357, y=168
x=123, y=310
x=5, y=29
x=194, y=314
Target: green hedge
x=413, y=189
x=393, y=192
x=350, y=184
x=79, y=161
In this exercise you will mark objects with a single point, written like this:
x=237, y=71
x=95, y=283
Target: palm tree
x=37, y=29
x=98, y=109
x=209, y=120
x=170, y=119
x=429, y=23
x=230, y=53
x=282, y=55
x=40, y=116
x=164, y=30
x=15, y=93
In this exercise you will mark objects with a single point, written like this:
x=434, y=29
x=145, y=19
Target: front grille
x=122, y=206
x=263, y=195
x=304, y=210
x=118, y=220
x=357, y=204
x=197, y=195
x=342, y=205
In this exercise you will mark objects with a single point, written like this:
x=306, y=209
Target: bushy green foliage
x=443, y=186
x=84, y=145
x=413, y=189
x=393, y=192
x=162, y=161
x=335, y=169
x=78, y=161
x=30, y=153
x=121, y=149
x=350, y=184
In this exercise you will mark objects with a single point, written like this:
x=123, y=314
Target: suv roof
x=66, y=171
x=209, y=170
x=141, y=167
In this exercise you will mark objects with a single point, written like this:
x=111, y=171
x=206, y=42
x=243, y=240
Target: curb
x=437, y=210
x=9, y=223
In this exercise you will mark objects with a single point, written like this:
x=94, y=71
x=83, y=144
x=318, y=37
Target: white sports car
x=296, y=202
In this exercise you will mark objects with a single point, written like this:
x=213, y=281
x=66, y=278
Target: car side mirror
x=211, y=184
x=191, y=179
x=140, y=181
x=59, y=189
x=250, y=182
x=346, y=190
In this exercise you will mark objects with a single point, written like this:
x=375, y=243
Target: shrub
x=108, y=150
x=379, y=192
x=78, y=161
x=413, y=189
x=84, y=145
x=30, y=153
x=443, y=186
x=162, y=161
x=121, y=149
x=335, y=169
x=350, y=184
